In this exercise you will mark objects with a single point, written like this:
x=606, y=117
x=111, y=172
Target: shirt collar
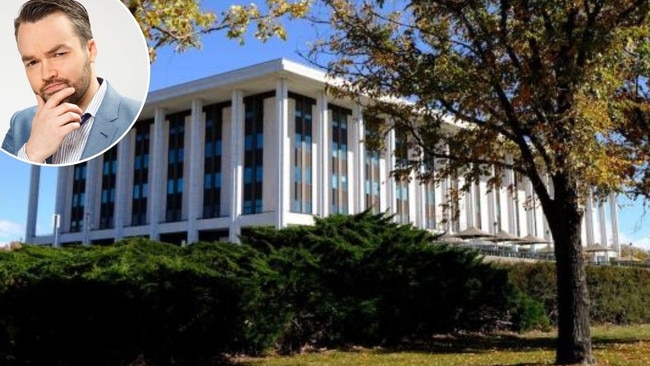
x=94, y=104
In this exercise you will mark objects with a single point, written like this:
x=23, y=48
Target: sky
x=217, y=55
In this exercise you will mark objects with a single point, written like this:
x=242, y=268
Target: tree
x=553, y=90
x=182, y=22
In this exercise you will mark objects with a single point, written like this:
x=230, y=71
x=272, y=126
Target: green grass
x=613, y=345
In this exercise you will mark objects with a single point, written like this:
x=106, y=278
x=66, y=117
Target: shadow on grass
x=479, y=343
x=476, y=343
x=484, y=343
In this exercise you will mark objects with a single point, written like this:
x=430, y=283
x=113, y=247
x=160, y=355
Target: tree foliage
x=181, y=23
x=542, y=89
x=556, y=91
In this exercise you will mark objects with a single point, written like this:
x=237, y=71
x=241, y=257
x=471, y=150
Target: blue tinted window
x=217, y=180
x=248, y=175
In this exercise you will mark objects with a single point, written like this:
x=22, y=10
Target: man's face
x=54, y=57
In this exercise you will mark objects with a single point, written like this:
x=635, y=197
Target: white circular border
x=122, y=57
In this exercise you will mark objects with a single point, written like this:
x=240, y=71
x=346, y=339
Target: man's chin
x=71, y=99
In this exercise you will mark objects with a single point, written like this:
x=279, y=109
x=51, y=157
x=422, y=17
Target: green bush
x=618, y=295
x=359, y=279
x=529, y=314
x=112, y=305
x=362, y=279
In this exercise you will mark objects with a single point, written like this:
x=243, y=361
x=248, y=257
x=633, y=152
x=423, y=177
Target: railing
x=513, y=254
x=505, y=253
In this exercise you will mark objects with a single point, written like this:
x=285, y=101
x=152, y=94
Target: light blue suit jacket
x=114, y=117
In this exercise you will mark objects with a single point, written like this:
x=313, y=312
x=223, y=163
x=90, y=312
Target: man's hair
x=35, y=10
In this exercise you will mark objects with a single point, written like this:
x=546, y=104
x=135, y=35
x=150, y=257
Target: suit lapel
x=103, y=131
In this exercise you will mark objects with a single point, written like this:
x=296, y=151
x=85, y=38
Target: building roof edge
x=279, y=65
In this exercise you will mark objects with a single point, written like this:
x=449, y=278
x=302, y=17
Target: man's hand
x=52, y=122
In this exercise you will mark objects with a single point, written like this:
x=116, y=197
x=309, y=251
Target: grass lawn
x=613, y=345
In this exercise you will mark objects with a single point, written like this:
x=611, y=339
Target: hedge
x=619, y=295
x=359, y=279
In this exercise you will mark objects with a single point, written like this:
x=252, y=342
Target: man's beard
x=80, y=87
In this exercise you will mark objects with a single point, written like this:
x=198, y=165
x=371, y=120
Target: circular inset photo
x=78, y=77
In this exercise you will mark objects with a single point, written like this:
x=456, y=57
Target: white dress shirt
x=73, y=143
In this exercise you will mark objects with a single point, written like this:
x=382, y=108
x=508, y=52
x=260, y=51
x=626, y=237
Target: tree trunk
x=565, y=223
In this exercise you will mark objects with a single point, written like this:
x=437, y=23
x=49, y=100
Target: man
x=77, y=115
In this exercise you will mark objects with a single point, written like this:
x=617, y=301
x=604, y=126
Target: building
x=261, y=145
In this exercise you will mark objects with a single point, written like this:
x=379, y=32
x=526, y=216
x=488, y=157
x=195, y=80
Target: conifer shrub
x=112, y=305
x=359, y=279
x=363, y=279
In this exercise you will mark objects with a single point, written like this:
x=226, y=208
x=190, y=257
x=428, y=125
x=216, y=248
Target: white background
x=122, y=56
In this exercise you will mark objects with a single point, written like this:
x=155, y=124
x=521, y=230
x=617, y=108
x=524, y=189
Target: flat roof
x=251, y=80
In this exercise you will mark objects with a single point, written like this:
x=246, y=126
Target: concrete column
x=195, y=175
x=445, y=187
x=64, y=190
x=414, y=202
x=589, y=218
x=157, y=179
x=446, y=212
x=602, y=224
x=420, y=202
x=32, y=205
x=93, y=196
x=493, y=225
x=62, y=198
x=510, y=200
x=501, y=203
x=384, y=180
x=123, y=182
x=530, y=212
x=284, y=146
x=357, y=186
x=323, y=152
x=236, y=164
x=547, y=230
x=391, y=185
x=469, y=205
x=613, y=213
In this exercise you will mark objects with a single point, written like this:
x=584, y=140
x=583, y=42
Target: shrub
x=618, y=295
x=359, y=279
x=363, y=279
x=111, y=305
x=529, y=314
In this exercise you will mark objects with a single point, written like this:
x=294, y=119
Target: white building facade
x=264, y=145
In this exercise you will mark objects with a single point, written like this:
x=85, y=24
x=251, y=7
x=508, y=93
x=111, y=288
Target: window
x=141, y=173
x=109, y=177
x=176, y=159
x=301, y=161
x=339, y=164
x=254, y=153
x=78, y=198
x=372, y=184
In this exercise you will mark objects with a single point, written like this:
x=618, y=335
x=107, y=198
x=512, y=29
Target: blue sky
x=217, y=55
